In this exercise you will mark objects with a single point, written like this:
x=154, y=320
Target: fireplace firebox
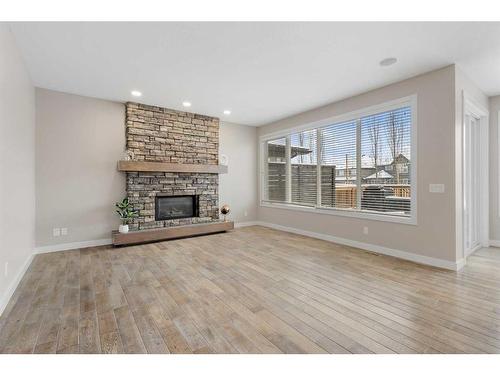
x=176, y=206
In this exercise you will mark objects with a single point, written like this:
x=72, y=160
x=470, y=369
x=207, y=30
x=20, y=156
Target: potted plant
x=126, y=214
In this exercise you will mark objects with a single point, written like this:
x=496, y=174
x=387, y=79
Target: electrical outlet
x=6, y=269
x=64, y=231
x=365, y=230
x=56, y=232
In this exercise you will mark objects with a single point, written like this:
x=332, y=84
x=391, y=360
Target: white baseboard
x=14, y=283
x=495, y=243
x=422, y=259
x=72, y=246
x=246, y=224
x=460, y=264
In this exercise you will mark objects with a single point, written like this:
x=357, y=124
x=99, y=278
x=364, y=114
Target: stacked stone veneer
x=165, y=135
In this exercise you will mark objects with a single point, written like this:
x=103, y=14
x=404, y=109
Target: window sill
x=342, y=212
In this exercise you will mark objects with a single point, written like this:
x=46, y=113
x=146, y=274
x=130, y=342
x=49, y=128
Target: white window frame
x=410, y=101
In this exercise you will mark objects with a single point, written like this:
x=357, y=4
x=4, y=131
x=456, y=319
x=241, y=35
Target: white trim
x=288, y=169
x=494, y=243
x=14, y=283
x=460, y=264
x=472, y=108
x=386, y=106
x=72, y=246
x=498, y=158
x=246, y=224
x=472, y=251
x=421, y=259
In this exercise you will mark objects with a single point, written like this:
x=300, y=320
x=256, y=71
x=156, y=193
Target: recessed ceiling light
x=136, y=93
x=227, y=112
x=186, y=104
x=388, y=61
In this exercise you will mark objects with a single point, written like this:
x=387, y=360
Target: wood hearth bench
x=168, y=233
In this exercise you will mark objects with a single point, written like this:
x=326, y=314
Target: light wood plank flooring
x=253, y=290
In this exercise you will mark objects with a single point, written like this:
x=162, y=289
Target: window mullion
x=319, y=153
x=265, y=167
x=358, y=164
x=288, y=170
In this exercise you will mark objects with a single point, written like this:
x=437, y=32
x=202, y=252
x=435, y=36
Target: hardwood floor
x=253, y=290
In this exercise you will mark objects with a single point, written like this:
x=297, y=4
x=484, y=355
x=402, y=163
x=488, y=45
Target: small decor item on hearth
x=126, y=214
x=128, y=155
x=224, y=210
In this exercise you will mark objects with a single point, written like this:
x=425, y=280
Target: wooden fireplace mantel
x=149, y=166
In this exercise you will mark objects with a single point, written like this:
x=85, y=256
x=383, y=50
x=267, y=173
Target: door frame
x=472, y=108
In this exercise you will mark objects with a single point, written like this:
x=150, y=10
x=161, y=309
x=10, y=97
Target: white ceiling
x=260, y=71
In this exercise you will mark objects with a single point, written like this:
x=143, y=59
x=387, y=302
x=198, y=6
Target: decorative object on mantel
x=224, y=210
x=128, y=155
x=126, y=213
x=224, y=160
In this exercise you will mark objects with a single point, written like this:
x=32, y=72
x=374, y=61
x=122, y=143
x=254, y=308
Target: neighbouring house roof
x=400, y=159
x=366, y=163
x=277, y=150
x=379, y=174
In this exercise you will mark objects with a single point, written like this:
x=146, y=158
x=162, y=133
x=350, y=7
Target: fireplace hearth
x=169, y=207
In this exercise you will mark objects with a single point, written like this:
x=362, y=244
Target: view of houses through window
x=363, y=164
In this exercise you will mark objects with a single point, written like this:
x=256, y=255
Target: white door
x=472, y=184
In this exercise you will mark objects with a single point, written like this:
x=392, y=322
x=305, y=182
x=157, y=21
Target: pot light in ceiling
x=388, y=61
x=186, y=104
x=136, y=93
x=227, y=112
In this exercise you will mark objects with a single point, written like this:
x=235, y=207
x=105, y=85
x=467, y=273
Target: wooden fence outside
x=333, y=193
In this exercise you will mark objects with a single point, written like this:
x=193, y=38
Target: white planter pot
x=123, y=229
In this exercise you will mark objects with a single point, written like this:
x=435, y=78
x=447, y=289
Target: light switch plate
x=436, y=188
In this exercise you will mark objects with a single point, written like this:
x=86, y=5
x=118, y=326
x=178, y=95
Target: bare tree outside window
x=395, y=136
x=301, y=144
x=374, y=133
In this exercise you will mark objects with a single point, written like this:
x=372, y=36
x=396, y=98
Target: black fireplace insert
x=176, y=206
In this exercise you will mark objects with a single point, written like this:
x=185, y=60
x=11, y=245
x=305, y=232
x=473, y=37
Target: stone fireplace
x=162, y=135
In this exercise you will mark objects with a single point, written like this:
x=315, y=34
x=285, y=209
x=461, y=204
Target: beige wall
x=494, y=169
x=17, y=166
x=434, y=235
x=238, y=188
x=78, y=142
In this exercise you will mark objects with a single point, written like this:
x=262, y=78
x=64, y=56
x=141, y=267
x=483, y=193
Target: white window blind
x=338, y=165
x=303, y=156
x=276, y=170
x=385, y=144
x=359, y=165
